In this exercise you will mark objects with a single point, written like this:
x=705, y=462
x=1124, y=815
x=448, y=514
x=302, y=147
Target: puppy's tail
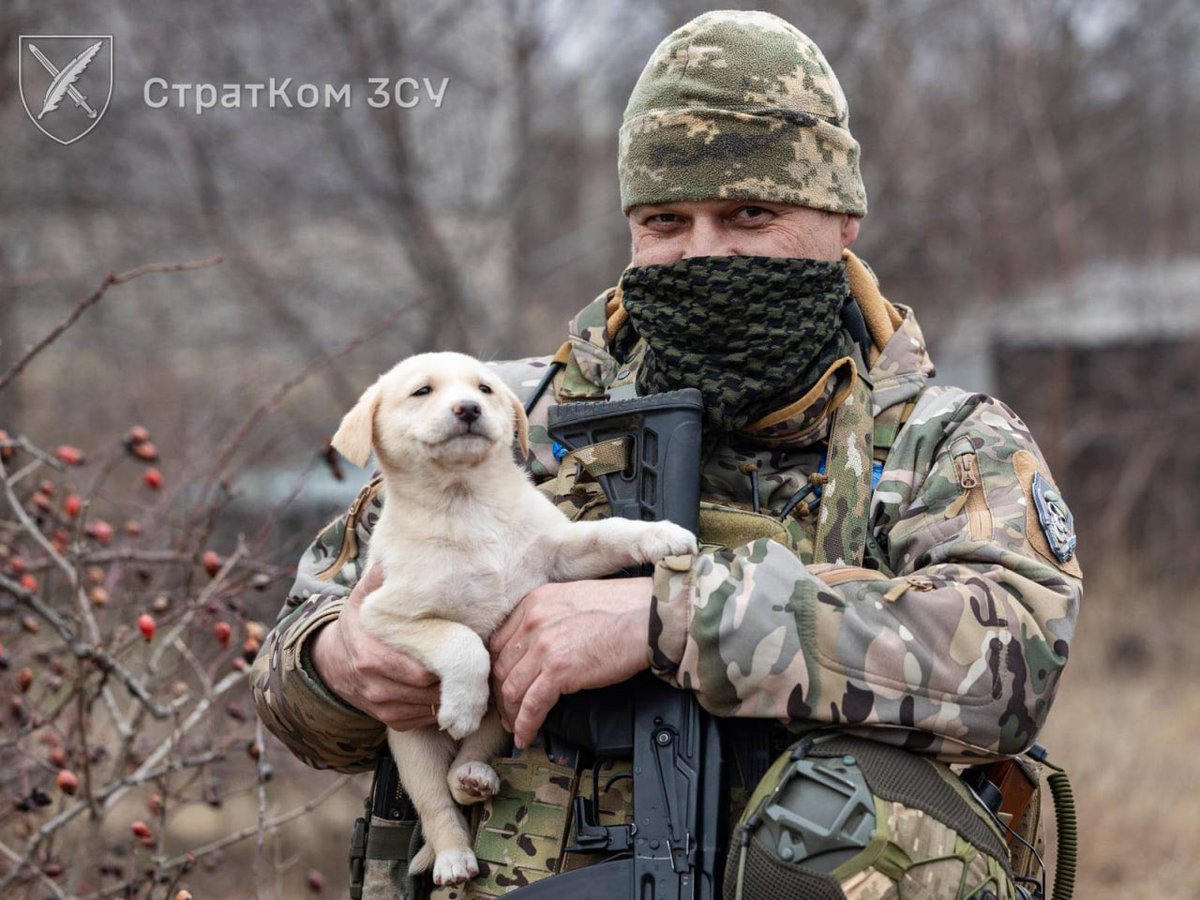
x=423, y=860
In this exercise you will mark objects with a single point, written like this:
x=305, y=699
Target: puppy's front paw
x=473, y=782
x=661, y=539
x=454, y=867
x=460, y=715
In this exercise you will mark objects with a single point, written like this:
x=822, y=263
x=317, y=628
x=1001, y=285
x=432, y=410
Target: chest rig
x=814, y=500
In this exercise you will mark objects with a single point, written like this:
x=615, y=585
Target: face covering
x=752, y=333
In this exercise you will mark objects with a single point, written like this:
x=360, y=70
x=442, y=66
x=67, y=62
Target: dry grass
x=1126, y=727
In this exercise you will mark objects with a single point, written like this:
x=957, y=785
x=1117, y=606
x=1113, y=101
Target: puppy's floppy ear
x=522, y=422
x=354, y=435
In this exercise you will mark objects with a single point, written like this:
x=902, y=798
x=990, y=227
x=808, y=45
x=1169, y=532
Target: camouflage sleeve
x=293, y=702
x=956, y=651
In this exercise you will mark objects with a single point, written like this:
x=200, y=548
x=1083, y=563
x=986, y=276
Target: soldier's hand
x=567, y=637
x=384, y=683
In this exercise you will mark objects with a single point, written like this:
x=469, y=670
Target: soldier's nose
x=467, y=410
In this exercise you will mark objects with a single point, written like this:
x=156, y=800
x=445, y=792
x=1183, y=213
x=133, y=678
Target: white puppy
x=463, y=536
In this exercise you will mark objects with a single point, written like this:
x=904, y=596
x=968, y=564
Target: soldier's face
x=672, y=231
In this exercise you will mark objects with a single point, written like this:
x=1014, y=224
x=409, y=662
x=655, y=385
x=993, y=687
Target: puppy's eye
x=422, y=391
x=486, y=389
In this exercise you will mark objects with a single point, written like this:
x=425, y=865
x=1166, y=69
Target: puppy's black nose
x=467, y=410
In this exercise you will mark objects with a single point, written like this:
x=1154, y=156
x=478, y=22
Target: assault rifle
x=674, y=847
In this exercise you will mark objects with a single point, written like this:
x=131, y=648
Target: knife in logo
x=64, y=80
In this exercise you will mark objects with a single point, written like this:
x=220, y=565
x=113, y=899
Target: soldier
x=880, y=557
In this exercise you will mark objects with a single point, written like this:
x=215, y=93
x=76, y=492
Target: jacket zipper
x=973, y=498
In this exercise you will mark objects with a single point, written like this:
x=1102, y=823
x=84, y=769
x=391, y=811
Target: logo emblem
x=1057, y=522
x=66, y=82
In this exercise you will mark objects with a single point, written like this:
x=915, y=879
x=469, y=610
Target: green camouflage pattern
x=591, y=367
x=952, y=643
x=519, y=837
x=739, y=105
x=841, y=522
x=519, y=833
x=614, y=805
x=387, y=879
x=920, y=858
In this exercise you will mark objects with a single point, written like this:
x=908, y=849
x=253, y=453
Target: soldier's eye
x=422, y=391
x=752, y=212
x=486, y=389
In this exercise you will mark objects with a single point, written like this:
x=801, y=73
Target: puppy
x=462, y=537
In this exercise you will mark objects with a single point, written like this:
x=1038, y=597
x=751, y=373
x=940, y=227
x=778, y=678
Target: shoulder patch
x=1036, y=487
x=1058, y=524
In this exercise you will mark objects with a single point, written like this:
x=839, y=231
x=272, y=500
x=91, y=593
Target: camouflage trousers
x=900, y=826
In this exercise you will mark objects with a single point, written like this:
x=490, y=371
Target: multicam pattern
x=520, y=831
x=739, y=105
x=950, y=642
x=953, y=646
x=842, y=521
x=920, y=858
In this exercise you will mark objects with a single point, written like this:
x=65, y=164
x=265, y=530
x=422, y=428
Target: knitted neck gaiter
x=752, y=333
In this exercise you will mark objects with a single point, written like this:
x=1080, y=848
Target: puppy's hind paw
x=473, y=782
x=662, y=539
x=454, y=867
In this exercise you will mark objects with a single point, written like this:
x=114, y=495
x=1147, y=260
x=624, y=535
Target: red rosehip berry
x=72, y=456
x=67, y=782
x=100, y=531
x=146, y=625
x=29, y=582
x=211, y=561
x=153, y=479
x=224, y=632
x=140, y=829
x=72, y=505
x=145, y=451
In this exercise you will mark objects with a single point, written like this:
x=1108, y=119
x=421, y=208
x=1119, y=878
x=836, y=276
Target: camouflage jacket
x=950, y=640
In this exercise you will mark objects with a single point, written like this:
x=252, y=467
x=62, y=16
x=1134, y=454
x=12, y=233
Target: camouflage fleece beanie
x=739, y=105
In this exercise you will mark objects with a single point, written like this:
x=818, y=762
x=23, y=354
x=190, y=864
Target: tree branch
x=92, y=299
